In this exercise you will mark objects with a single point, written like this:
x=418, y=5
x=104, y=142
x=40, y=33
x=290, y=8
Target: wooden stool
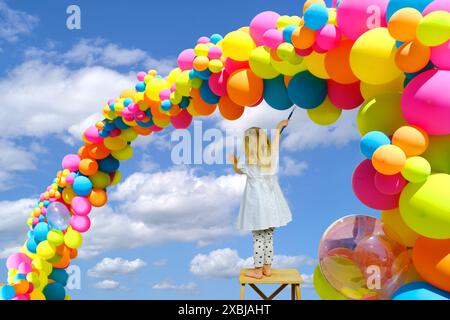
x=284, y=277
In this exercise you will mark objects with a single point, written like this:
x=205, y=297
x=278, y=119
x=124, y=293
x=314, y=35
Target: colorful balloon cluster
x=388, y=57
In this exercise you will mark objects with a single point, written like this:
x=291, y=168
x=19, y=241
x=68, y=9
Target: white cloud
x=107, y=285
x=159, y=263
x=14, y=23
x=169, y=285
x=14, y=159
x=292, y=167
x=226, y=263
x=160, y=207
x=308, y=281
x=7, y=251
x=117, y=266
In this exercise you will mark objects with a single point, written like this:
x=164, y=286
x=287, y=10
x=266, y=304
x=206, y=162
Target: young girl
x=263, y=207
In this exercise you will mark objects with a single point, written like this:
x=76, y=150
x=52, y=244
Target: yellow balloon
x=37, y=295
x=238, y=45
x=325, y=114
x=128, y=135
x=397, y=229
x=124, y=154
x=287, y=68
x=45, y=250
x=117, y=178
x=115, y=143
x=261, y=65
x=372, y=57
x=370, y=91
x=99, y=180
x=434, y=29
x=73, y=238
x=68, y=194
x=154, y=87
x=161, y=123
x=55, y=237
x=416, y=169
x=316, y=65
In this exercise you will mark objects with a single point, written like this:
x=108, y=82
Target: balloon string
x=289, y=118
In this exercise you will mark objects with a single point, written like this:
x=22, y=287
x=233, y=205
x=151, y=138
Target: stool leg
x=297, y=287
x=242, y=291
x=293, y=291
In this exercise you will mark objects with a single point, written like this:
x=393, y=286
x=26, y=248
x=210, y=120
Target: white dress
x=263, y=205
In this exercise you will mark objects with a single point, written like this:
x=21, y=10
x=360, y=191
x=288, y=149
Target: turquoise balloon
x=54, y=291
x=59, y=275
x=395, y=5
x=307, y=91
x=420, y=291
x=275, y=93
x=207, y=95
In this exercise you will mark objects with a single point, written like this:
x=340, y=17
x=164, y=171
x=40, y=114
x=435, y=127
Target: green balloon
x=323, y=287
x=425, y=207
x=382, y=113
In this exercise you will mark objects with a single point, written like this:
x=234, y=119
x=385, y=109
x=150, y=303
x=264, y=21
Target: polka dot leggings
x=263, y=247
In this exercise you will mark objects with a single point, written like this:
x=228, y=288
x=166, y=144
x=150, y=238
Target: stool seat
x=283, y=277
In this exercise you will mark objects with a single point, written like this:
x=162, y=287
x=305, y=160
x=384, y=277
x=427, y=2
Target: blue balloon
x=395, y=5
x=184, y=103
x=288, y=31
x=215, y=38
x=147, y=124
x=59, y=275
x=40, y=232
x=108, y=165
x=307, y=91
x=275, y=93
x=82, y=186
x=58, y=216
x=54, y=291
x=19, y=276
x=316, y=16
x=166, y=105
x=118, y=122
x=207, y=95
x=420, y=291
x=31, y=245
x=140, y=86
x=7, y=292
x=371, y=141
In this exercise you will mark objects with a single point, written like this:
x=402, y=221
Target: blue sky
x=168, y=231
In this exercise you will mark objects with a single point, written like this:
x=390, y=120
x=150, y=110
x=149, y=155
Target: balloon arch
x=390, y=59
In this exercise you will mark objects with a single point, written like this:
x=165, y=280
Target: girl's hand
x=233, y=159
x=282, y=124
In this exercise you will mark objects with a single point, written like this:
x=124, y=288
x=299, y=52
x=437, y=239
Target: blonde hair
x=257, y=148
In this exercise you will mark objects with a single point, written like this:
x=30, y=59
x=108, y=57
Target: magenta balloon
x=437, y=5
x=261, y=23
x=363, y=182
x=426, y=102
x=186, y=59
x=81, y=206
x=328, y=37
x=181, y=120
x=356, y=17
x=16, y=259
x=345, y=96
x=218, y=83
x=440, y=55
x=80, y=223
x=390, y=185
x=91, y=135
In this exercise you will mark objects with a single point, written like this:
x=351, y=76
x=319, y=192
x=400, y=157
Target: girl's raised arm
x=234, y=161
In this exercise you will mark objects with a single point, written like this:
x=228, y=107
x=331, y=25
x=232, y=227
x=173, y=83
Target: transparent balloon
x=360, y=261
x=58, y=216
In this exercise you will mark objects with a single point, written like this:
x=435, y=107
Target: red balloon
x=390, y=185
x=345, y=96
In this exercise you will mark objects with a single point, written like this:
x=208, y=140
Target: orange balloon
x=413, y=141
x=175, y=110
x=98, y=197
x=142, y=131
x=201, y=63
x=230, y=110
x=64, y=261
x=337, y=63
x=83, y=152
x=287, y=79
x=73, y=253
x=412, y=57
x=403, y=24
x=157, y=113
x=21, y=286
x=200, y=106
x=303, y=37
x=274, y=55
x=245, y=88
x=88, y=167
x=389, y=159
x=431, y=258
x=98, y=151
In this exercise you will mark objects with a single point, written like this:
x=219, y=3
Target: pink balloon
x=186, y=59
x=214, y=53
x=80, y=223
x=181, y=120
x=261, y=23
x=437, y=5
x=232, y=65
x=155, y=128
x=363, y=182
x=81, y=206
x=440, y=55
x=328, y=37
x=71, y=162
x=141, y=75
x=356, y=17
x=164, y=94
x=24, y=268
x=70, y=179
x=273, y=38
x=218, y=83
x=426, y=102
x=22, y=297
x=318, y=49
x=304, y=52
x=390, y=185
x=91, y=134
x=345, y=96
x=16, y=259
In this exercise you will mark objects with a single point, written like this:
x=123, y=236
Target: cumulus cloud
x=15, y=23
x=226, y=263
x=107, y=285
x=292, y=167
x=159, y=263
x=169, y=285
x=117, y=266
